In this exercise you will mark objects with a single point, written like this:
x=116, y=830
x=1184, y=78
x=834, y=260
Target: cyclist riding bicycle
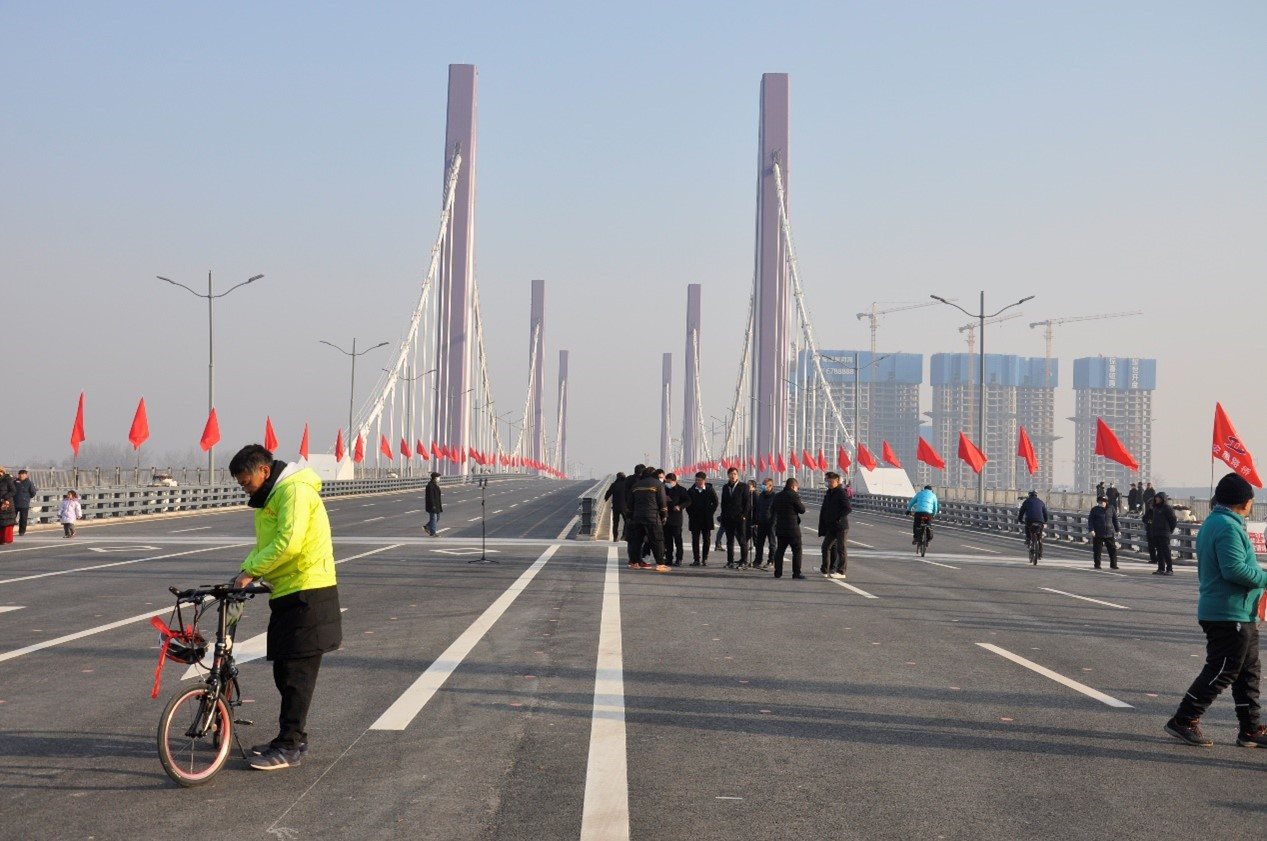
x=1033, y=513
x=924, y=506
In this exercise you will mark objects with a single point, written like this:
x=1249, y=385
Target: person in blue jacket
x=925, y=507
x=1231, y=583
x=1033, y=513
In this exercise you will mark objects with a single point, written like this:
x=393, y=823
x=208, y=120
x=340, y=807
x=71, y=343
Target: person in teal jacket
x=923, y=503
x=294, y=554
x=1231, y=583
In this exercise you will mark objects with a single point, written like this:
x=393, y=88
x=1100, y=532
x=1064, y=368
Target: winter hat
x=1232, y=489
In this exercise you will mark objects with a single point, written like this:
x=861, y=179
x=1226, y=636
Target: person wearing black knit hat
x=1231, y=584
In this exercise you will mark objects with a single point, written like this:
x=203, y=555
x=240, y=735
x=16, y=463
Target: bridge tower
x=690, y=379
x=666, y=412
x=562, y=427
x=536, y=374
x=771, y=299
x=454, y=348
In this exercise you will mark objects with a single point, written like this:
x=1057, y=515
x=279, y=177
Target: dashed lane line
x=1085, y=598
x=1056, y=676
x=863, y=545
x=374, y=519
x=8, y=607
x=122, y=563
x=605, y=813
x=857, y=590
x=195, y=528
x=413, y=699
x=980, y=549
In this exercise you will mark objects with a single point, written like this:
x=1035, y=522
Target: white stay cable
x=732, y=434
x=807, y=327
x=701, y=429
x=487, y=385
x=532, y=378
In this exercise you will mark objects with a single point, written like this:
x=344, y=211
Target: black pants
x=1159, y=551
x=916, y=520
x=786, y=540
x=836, y=551
x=295, y=678
x=22, y=515
x=721, y=532
x=737, y=529
x=764, y=536
x=1107, y=542
x=1231, y=659
x=697, y=536
x=616, y=517
x=673, y=538
x=640, y=533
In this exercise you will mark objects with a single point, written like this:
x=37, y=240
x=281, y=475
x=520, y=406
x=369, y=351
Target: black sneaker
x=1187, y=732
x=275, y=759
x=1159, y=572
x=260, y=750
x=1255, y=738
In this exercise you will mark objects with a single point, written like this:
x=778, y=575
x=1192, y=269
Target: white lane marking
x=413, y=699
x=934, y=563
x=1100, y=571
x=572, y=522
x=863, y=545
x=414, y=511
x=980, y=548
x=244, y=651
x=473, y=519
x=122, y=563
x=7, y=608
x=442, y=531
x=499, y=510
x=39, y=646
x=196, y=528
x=370, y=552
x=605, y=814
x=105, y=550
x=1056, y=676
x=373, y=519
x=1084, y=598
x=514, y=505
x=368, y=505
x=42, y=547
x=860, y=592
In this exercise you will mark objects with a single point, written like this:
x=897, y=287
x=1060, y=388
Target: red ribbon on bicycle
x=186, y=635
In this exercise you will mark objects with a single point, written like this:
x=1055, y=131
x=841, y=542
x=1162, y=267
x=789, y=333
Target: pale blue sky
x=1103, y=156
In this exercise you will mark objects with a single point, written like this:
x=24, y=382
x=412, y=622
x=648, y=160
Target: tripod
x=483, y=558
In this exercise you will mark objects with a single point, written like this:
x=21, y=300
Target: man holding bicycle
x=1033, y=513
x=295, y=555
x=924, y=506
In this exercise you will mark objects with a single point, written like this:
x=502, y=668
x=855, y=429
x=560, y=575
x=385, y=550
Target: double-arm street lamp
x=354, y=353
x=211, y=350
x=981, y=316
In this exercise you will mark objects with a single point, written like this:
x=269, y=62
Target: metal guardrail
x=593, y=507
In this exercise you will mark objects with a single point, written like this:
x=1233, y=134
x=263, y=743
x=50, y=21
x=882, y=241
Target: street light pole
x=352, y=393
x=981, y=316
x=211, y=350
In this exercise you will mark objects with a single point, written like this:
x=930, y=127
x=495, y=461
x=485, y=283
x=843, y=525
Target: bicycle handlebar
x=219, y=591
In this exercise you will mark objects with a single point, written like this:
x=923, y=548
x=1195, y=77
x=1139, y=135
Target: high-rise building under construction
x=1119, y=391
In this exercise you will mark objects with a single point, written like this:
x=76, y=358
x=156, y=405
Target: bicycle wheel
x=1035, y=550
x=923, y=542
x=190, y=759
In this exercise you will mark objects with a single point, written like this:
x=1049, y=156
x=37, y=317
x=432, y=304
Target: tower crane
x=971, y=328
x=1052, y=322
x=874, y=315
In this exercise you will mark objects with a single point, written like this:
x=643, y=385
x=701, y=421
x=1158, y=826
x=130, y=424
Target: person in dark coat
x=763, y=516
x=833, y=527
x=1132, y=499
x=616, y=493
x=679, y=501
x=630, y=481
x=434, y=506
x=787, y=510
x=1102, y=523
x=736, y=511
x=1146, y=496
x=646, y=520
x=1114, y=496
x=1159, y=523
x=8, y=511
x=700, y=517
x=24, y=491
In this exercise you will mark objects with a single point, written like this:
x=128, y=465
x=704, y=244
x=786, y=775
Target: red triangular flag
x=210, y=432
x=358, y=452
x=888, y=455
x=303, y=444
x=761, y=464
x=421, y=450
x=338, y=447
x=781, y=464
x=140, y=427
x=270, y=439
x=1025, y=450
x=791, y=459
x=928, y=455
x=404, y=448
x=77, y=431
x=822, y=461
x=1229, y=447
x=808, y=460
x=385, y=448
x=1107, y=445
x=865, y=459
x=751, y=463
x=842, y=459
x=968, y=452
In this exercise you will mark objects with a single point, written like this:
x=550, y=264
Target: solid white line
x=1085, y=599
x=43, y=546
x=1100, y=571
x=473, y=520
x=196, y=528
x=7, y=608
x=1059, y=678
x=863, y=545
x=413, y=699
x=374, y=519
x=39, y=646
x=121, y=563
x=934, y=563
x=605, y=814
x=980, y=548
x=499, y=510
x=414, y=511
x=862, y=593
x=572, y=522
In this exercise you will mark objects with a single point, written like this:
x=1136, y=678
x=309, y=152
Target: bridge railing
x=593, y=508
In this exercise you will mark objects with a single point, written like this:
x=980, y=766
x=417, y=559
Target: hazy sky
x=1101, y=156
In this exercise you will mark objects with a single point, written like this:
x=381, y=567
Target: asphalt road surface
x=558, y=695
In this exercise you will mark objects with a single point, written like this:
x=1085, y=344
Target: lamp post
x=211, y=349
x=981, y=316
x=352, y=393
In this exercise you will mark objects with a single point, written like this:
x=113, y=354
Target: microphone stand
x=483, y=558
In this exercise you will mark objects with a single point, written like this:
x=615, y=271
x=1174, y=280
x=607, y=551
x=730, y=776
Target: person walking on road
x=1102, y=523
x=646, y=521
x=294, y=553
x=833, y=528
x=434, y=506
x=679, y=501
x=700, y=518
x=1231, y=585
x=24, y=491
x=69, y=512
x=616, y=493
x=1159, y=522
x=736, y=511
x=8, y=511
x=787, y=510
x=763, y=517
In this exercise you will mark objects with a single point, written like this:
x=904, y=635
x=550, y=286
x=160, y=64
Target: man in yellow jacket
x=294, y=554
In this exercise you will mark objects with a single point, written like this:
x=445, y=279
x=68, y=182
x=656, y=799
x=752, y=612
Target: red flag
x=385, y=448
x=358, y=452
x=968, y=452
x=888, y=455
x=751, y=463
x=77, y=431
x=808, y=460
x=822, y=461
x=792, y=461
x=404, y=448
x=928, y=455
x=303, y=444
x=1025, y=450
x=140, y=427
x=761, y=464
x=421, y=450
x=270, y=439
x=781, y=464
x=865, y=459
x=453, y=455
x=338, y=447
x=210, y=432
x=842, y=459
x=1229, y=448
x=1107, y=445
